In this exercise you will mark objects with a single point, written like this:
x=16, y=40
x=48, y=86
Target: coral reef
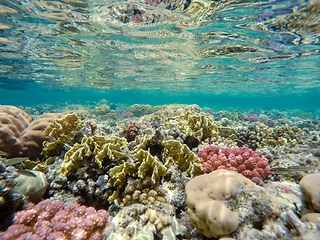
x=52, y=220
x=242, y=160
x=147, y=174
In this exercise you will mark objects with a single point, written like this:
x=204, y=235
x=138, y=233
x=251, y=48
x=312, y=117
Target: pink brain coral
x=242, y=160
x=51, y=220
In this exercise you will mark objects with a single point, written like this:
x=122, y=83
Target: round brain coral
x=242, y=160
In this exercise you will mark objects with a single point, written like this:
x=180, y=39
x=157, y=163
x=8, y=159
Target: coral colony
x=164, y=172
x=52, y=220
x=242, y=160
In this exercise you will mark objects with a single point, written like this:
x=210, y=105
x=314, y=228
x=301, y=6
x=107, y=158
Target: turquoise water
x=239, y=54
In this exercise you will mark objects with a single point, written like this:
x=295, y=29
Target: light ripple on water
x=173, y=46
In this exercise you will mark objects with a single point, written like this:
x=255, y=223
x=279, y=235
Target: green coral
x=99, y=146
x=198, y=125
x=181, y=155
x=63, y=131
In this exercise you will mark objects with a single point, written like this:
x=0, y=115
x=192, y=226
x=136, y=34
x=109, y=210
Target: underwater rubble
x=164, y=172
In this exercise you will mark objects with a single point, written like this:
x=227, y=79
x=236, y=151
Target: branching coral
x=52, y=220
x=242, y=160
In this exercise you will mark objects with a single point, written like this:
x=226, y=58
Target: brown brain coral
x=19, y=135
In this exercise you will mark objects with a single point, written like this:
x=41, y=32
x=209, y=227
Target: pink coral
x=50, y=220
x=127, y=115
x=133, y=128
x=242, y=160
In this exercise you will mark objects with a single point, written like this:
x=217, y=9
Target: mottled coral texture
x=133, y=129
x=242, y=160
x=52, y=220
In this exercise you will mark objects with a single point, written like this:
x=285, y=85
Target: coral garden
x=158, y=172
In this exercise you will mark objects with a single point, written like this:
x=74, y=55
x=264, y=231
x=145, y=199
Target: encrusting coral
x=143, y=191
x=259, y=135
x=138, y=221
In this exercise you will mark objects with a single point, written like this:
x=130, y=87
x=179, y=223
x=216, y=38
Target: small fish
x=13, y=161
x=301, y=168
x=26, y=172
x=280, y=170
x=291, y=169
x=81, y=170
x=3, y=154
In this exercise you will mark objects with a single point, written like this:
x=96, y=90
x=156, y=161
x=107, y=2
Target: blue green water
x=239, y=54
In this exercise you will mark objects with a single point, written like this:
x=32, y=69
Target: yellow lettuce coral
x=63, y=131
x=99, y=146
x=197, y=125
x=181, y=155
x=146, y=163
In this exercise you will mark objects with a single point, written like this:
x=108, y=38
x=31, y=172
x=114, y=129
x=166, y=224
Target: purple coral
x=51, y=220
x=251, y=118
x=242, y=160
